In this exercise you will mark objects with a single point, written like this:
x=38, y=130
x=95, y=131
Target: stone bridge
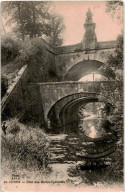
x=89, y=55
x=71, y=62
x=57, y=96
x=50, y=93
x=48, y=88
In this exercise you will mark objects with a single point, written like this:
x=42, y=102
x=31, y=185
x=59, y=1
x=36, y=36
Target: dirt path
x=69, y=176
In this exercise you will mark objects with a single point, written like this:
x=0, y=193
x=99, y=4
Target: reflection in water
x=92, y=132
x=91, y=120
x=93, y=127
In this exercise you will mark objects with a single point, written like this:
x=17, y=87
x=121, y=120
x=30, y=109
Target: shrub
x=31, y=51
x=34, y=54
x=13, y=126
x=25, y=145
x=9, y=49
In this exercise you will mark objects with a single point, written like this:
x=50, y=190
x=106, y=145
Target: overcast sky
x=74, y=17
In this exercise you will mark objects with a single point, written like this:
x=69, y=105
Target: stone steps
x=57, y=149
x=73, y=149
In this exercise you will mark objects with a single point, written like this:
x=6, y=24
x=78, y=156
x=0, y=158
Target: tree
x=9, y=49
x=54, y=30
x=116, y=61
x=34, y=18
x=115, y=9
x=115, y=92
x=113, y=95
x=28, y=16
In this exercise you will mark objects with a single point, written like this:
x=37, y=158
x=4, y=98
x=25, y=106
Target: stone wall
x=13, y=103
x=23, y=100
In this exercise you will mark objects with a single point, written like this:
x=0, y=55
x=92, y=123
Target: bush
x=31, y=51
x=25, y=145
x=34, y=54
x=9, y=50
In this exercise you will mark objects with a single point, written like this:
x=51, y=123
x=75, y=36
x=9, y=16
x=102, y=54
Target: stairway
x=72, y=148
x=57, y=149
x=63, y=148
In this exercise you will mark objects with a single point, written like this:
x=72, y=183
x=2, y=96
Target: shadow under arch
x=58, y=105
x=68, y=116
x=86, y=67
x=55, y=115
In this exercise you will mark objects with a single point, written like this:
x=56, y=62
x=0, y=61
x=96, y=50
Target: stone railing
x=79, y=48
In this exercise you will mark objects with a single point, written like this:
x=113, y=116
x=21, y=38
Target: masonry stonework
x=53, y=65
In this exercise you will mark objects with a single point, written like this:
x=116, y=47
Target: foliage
x=4, y=85
x=33, y=53
x=25, y=145
x=9, y=49
x=26, y=14
x=29, y=50
x=54, y=30
x=115, y=9
x=116, y=61
x=113, y=94
x=33, y=19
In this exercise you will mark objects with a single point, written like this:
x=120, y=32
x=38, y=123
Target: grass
x=24, y=150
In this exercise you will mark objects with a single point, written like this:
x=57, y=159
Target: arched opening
x=87, y=67
x=86, y=117
x=84, y=120
x=69, y=115
x=56, y=109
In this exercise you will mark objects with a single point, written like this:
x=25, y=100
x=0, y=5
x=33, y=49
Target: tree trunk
x=21, y=22
x=34, y=21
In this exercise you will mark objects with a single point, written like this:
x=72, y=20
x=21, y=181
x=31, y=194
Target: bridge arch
x=57, y=107
x=58, y=110
x=86, y=67
x=69, y=114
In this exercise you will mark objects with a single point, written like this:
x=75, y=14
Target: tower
x=89, y=38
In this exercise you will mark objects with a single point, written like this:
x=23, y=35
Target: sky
x=74, y=14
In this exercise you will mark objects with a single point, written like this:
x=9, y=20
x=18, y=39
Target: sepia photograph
x=62, y=96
